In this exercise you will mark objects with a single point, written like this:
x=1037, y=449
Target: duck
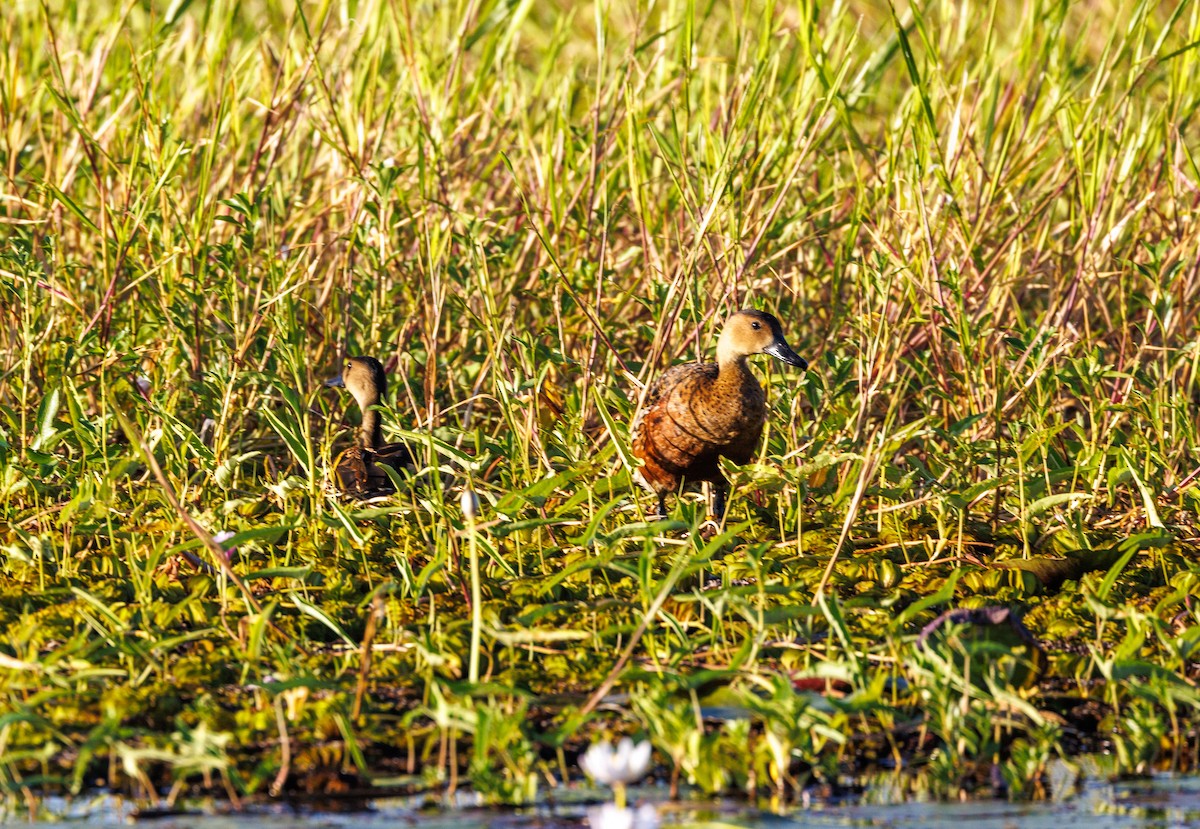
x=697, y=413
x=358, y=470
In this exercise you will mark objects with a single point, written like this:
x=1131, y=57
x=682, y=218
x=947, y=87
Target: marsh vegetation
x=976, y=221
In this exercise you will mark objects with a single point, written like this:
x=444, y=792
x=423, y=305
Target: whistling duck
x=358, y=469
x=698, y=412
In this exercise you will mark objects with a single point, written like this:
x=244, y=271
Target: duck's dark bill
x=335, y=382
x=784, y=352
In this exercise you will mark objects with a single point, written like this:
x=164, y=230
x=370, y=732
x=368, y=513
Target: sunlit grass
x=978, y=223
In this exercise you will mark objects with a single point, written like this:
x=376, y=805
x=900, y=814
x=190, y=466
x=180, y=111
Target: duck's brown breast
x=694, y=415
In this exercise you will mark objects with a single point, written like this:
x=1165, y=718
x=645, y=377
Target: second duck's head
x=755, y=332
x=364, y=378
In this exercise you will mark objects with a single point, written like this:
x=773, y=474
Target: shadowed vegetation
x=978, y=222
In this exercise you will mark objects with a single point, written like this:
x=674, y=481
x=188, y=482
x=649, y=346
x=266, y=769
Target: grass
x=977, y=221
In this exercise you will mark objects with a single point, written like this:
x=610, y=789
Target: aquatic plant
x=616, y=767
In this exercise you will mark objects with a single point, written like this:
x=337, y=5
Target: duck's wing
x=394, y=455
x=669, y=387
x=351, y=471
x=664, y=434
x=358, y=472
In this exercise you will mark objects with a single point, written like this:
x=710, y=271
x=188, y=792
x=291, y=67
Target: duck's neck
x=370, y=434
x=732, y=373
x=727, y=354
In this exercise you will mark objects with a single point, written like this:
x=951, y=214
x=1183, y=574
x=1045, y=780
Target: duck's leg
x=662, y=505
x=712, y=524
x=720, y=490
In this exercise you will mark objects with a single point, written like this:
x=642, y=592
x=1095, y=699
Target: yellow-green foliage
x=977, y=221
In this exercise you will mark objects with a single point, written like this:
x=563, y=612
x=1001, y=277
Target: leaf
x=593, y=529
x=618, y=438
x=175, y=11
x=589, y=563
x=833, y=614
x=962, y=500
x=70, y=204
x=826, y=460
x=440, y=447
x=323, y=618
x=293, y=437
x=530, y=636
x=1130, y=547
x=501, y=530
x=945, y=594
x=958, y=427
x=1042, y=504
x=258, y=629
x=298, y=573
x=1147, y=496
x=47, y=412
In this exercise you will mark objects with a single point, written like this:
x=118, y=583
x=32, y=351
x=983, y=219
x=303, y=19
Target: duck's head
x=755, y=332
x=364, y=378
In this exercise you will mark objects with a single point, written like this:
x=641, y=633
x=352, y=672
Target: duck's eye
x=756, y=325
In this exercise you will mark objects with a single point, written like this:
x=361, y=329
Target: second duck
x=359, y=470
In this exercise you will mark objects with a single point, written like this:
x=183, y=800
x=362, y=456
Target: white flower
x=612, y=816
x=470, y=503
x=626, y=764
x=143, y=383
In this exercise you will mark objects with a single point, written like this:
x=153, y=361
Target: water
x=1161, y=803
